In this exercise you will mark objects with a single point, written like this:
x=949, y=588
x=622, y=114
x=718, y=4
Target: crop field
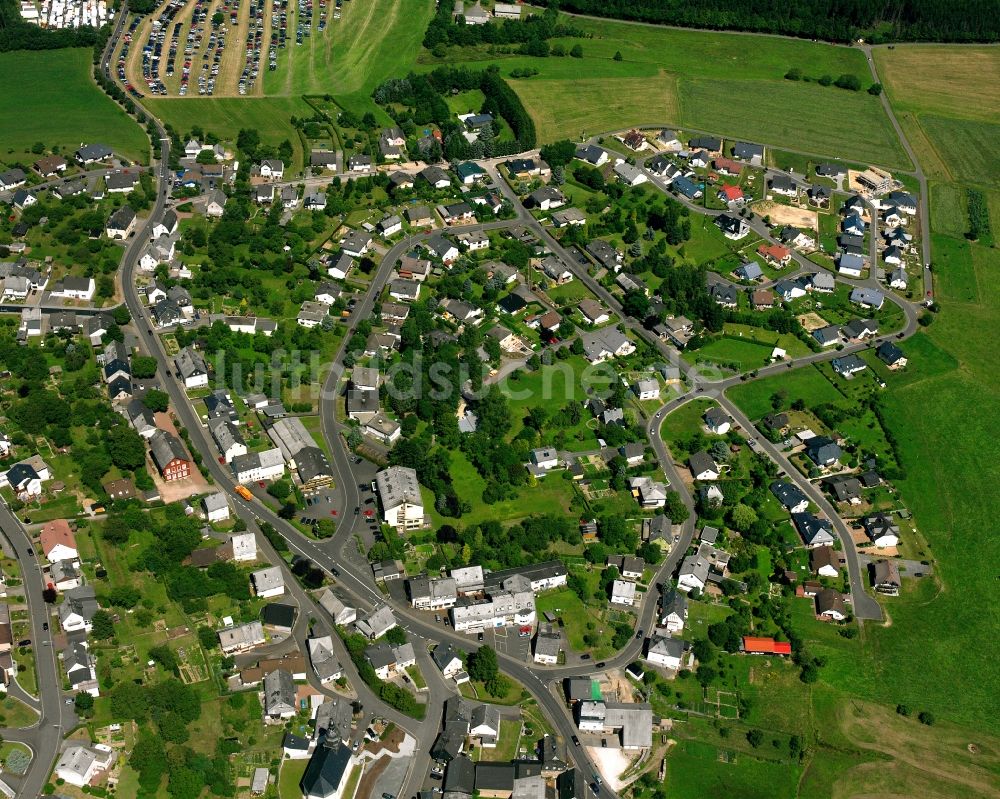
x=54, y=101
x=579, y=108
x=970, y=148
x=931, y=78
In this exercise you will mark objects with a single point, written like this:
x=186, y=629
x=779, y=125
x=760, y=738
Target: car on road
x=601, y=665
x=585, y=656
x=638, y=634
x=437, y=617
x=68, y=701
x=595, y=788
x=479, y=637
x=576, y=741
x=30, y=550
x=45, y=626
x=357, y=510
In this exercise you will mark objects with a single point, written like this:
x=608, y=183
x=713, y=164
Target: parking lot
x=507, y=641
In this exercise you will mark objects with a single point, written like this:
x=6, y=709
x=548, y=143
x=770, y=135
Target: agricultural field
x=929, y=88
x=55, y=102
x=723, y=82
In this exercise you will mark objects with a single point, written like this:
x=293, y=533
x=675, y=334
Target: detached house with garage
x=815, y=532
x=881, y=530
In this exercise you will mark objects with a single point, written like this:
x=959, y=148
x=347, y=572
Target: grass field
x=54, y=101
x=799, y=115
x=226, y=116
x=727, y=83
x=577, y=108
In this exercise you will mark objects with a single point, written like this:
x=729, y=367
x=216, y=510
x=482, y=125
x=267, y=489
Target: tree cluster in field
x=532, y=32
x=894, y=20
x=979, y=215
x=846, y=81
x=420, y=99
x=483, y=666
x=390, y=693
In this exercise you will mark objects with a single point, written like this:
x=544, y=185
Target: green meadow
x=49, y=97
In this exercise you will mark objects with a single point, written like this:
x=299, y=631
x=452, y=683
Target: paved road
x=56, y=718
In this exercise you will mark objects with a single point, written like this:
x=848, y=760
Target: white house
x=216, y=507
x=647, y=389
x=399, y=494
x=623, y=593
x=79, y=765
x=717, y=421
x=665, y=652
x=268, y=582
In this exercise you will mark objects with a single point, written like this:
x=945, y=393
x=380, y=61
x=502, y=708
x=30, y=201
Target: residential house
x=762, y=299
x=783, y=185
x=732, y=227
x=356, y=243
x=674, y=611
x=342, y=614
x=777, y=255
x=258, y=466
x=376, y=623
x=279, y=696
x=646, y=389
x=733, y=196
x=648, y=492
x=830, y=605
x=823, y=451
x=592, y=154
x=436, y=177
x=790, y=496
x=827, y=336
x=860, y=329
x=58, y=541
x=623, y=593
x=440, y=247
x=665, y=651
x=606, y=255
x=717, y=421
x=881, y=530
x=630, y=175
x=848, y=365
x=593, y=312
x=449, y=661
x=825, y=561
x=703, y=467
x=815, y=532
x=191, y=368
x=82, y=765
x=867, y=297
x=169, y=456
x=548, y=646
x=753, y=153
x=885, y=577
x=77, y=609
x=891, y=355
x=554, y=269
x=241, y=638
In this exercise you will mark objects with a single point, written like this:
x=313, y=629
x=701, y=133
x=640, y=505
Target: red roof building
x=765, y=646
x=775, y=253
x=730, y=193
x=727, y=166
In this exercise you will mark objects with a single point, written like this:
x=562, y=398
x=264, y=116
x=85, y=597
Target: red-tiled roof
x=765, y=646
x=732, y=192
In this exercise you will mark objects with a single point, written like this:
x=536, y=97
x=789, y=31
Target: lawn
x=807, y=384
x=740, y=353
x=682, y=423
x=575, y=109
x=552, y=494
x=16, y=714
x=54, y=101
x=290, y=776
x=969, y=147
x=506, y=748
x=569, y=293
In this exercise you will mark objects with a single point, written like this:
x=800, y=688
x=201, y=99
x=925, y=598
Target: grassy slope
x=53, y=100
x=728, y=83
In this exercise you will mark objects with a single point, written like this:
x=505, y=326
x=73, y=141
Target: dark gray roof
x=326, y=769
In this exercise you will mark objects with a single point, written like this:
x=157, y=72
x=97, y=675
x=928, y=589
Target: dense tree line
x=889, y=20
